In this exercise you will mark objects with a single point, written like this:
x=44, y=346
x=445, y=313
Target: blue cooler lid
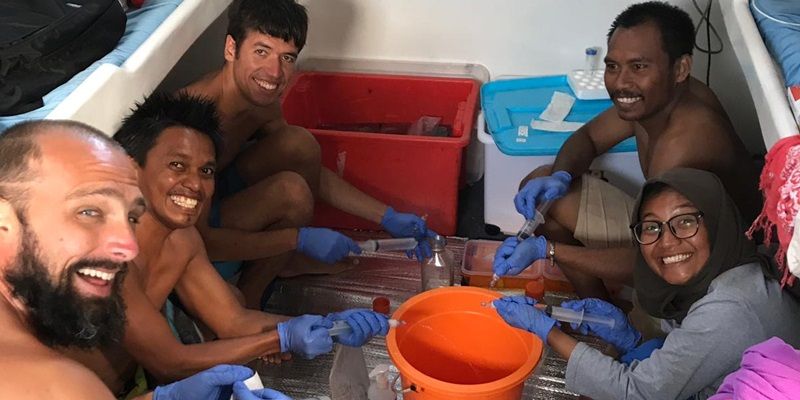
x=510, y=103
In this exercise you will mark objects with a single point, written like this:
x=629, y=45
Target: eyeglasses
x=682, y=226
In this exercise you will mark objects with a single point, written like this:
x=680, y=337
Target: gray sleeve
x=698, y=354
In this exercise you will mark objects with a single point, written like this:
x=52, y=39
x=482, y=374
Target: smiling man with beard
x=62, y=316
x=677, y=122
x=69, y=202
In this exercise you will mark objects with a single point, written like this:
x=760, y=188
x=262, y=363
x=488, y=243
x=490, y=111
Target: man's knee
x=301, y=146
x=298, y=201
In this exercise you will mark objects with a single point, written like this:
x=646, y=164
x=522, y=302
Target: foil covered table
x=389, y=275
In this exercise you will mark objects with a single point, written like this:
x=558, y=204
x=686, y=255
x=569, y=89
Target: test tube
x=527, y=230
x=592, y=60
x=398, y=244
x=341, y=327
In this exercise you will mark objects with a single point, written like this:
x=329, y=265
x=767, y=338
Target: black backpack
x=44, y=43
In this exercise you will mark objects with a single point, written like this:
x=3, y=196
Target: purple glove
x=409, y=225
x=306, y=336
x=513, y=256
x=325, y=245
x=205, y=385
x=241, y=392
x=623, y=336
x=541, y=189
x=519, y=312
x=364, y=324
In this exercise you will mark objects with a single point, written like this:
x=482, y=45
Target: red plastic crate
x=418, y=174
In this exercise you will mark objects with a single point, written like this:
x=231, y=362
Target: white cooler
x=503, y=174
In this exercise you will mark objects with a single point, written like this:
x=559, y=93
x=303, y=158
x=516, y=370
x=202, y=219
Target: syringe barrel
x=599, y=319
x=566, y=315
x=530, y=225
x=397, y=244
x=341, y=327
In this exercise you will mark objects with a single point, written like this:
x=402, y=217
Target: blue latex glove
x=364, y=323
x=306, y=336
x=513, y=256
x=541, y=189
x=205, y=385
x=642, y=351
x=409, y=225
x=519, y=312
x=325, y=245
x=623, y=336
x=243, y=393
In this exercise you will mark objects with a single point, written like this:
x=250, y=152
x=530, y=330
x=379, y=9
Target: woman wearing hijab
x=696, y=271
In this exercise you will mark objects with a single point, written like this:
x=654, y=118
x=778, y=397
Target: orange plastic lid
x=535, y=289
x=381, y=305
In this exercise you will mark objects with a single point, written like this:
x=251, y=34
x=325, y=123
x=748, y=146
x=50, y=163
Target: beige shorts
x=604, y=217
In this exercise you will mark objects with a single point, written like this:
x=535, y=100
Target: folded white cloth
x=561, y=126
x=559, y=107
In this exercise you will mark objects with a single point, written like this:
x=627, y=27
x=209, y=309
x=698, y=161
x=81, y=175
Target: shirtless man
x=69, y=202
x=677, y=122
x=271, y=171
x=173, y=139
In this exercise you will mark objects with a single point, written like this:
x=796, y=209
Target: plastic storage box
x=350, y=115
x=514, y=102
x=476, y=269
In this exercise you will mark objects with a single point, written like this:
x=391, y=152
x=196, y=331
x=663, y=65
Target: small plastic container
x=476, y=268
x=535, y=289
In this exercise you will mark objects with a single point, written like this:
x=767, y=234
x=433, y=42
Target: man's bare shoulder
x=697, y=136
x=45, y=374
x=185, y=243
x=699, y=115
x=209, y=86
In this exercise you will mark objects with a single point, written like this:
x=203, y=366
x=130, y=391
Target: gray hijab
x=729, y=246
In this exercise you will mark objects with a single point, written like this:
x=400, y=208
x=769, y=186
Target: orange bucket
x=452, y=347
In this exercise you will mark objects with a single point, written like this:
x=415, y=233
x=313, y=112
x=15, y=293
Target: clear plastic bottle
x=438, y=270
x=379, y=387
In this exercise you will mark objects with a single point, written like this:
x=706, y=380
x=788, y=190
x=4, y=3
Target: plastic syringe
x=527, y=230
x=398, y=244
x=568, y=315
x=341, y=327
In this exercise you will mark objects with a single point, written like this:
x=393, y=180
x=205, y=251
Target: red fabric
x=795, y=91
x=780, y=184
x=137, y=3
